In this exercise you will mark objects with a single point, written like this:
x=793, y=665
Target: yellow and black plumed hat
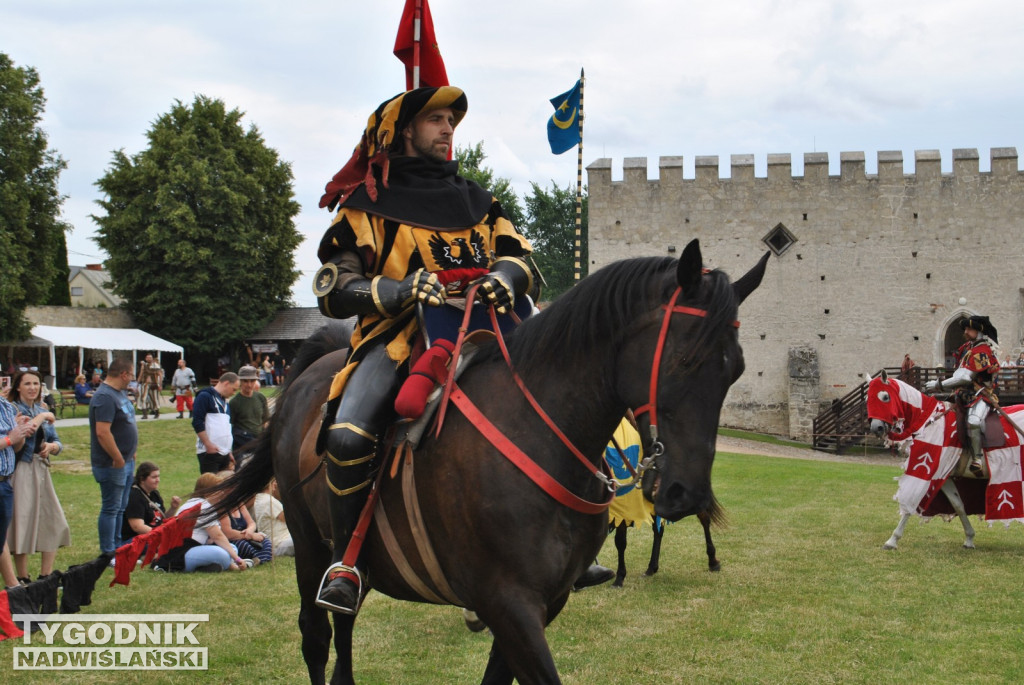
x=382, y=130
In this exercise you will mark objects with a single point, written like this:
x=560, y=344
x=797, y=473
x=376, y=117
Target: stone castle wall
x=880, y=265
x=80, y=317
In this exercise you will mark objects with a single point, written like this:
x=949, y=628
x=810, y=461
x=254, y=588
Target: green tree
x=471, y=160
x=32, y=247
x=200, y=227
x=551, y=228
x=60, y=293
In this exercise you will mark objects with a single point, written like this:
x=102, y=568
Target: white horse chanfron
x=928, y=428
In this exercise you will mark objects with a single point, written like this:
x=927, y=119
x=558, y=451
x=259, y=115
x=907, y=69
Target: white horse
x=926, y=429
x=949, y=489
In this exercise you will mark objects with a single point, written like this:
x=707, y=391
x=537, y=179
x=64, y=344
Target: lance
x=417, y=16
x=578, y=242
x=994, y=403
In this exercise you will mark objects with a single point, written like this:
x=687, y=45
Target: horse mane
x=326, y=339
x=604, y=307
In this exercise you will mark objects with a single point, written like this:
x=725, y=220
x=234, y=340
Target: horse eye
x=883, y=396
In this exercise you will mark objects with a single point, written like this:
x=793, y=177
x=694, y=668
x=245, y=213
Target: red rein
x=520, y=458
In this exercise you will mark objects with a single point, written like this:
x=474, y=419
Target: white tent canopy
x=108, y=339
x=104, y=339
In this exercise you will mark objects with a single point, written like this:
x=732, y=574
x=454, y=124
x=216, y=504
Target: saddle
x=421, y=394
x=431, y=356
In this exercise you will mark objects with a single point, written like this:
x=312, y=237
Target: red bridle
x=657, y=448
x=523, y=461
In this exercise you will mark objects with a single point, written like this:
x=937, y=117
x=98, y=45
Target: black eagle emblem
x=459, y=253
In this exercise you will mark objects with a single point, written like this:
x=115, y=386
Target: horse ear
x=690, y=269
x=750, y=280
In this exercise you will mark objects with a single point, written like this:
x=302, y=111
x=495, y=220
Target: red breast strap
x=522, y=461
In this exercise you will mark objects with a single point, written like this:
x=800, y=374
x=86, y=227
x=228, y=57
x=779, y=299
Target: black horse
x=511, y=551
x=714, y=515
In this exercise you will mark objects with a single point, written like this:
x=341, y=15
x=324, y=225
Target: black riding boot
x=595, y=575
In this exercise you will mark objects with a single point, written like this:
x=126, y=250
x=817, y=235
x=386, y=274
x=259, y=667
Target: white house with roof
x=90, y=287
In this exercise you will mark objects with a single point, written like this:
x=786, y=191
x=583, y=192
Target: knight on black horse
x=410, y=234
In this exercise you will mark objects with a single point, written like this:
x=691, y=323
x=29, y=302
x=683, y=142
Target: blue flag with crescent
x=564, y=124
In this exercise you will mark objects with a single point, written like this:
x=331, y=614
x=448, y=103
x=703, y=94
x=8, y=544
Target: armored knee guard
x=366, y=409
x=975, y=420
x=351, y=451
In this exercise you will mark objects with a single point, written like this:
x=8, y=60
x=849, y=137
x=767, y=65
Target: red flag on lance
x=416, y=46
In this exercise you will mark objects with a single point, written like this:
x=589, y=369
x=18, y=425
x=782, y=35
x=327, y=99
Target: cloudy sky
x=664, y=77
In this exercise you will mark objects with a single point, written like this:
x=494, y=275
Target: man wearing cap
x=974, y=378
x=250, y=410
x=409, y=230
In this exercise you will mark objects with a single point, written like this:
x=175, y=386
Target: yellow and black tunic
x=429, y=218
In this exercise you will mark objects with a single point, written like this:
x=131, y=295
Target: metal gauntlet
x=393, y=297
x=381, y=295
x=508, y=277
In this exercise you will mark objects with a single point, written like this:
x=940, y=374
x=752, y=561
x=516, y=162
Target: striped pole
x=416, y=44
x=578, y=252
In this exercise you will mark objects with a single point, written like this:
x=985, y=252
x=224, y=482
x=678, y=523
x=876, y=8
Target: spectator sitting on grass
x=208, y=551
x=145, y=510
x=239, y=527
x=268, y=512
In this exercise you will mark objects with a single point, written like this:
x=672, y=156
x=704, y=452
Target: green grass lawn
x=805, y=594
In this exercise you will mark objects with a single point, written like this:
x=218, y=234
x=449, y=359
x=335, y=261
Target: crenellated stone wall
x=879, y=265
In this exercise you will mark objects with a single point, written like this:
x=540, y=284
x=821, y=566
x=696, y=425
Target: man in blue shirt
x=211, y=420
x=114, y=437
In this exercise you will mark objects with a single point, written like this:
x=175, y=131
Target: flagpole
x=577, y=266
x=416, y=44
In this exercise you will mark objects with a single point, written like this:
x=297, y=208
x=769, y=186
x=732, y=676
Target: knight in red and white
x=974, y=378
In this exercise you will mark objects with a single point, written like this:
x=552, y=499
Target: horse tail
x=249, y=480
x=253, y=478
